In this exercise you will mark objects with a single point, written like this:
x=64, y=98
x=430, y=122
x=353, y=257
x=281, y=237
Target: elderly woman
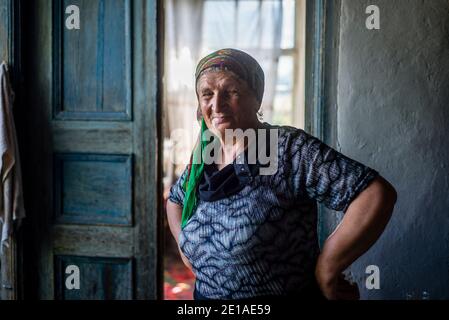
x=248, y=235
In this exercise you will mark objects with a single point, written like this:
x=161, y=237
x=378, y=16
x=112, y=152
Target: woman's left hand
x=336, y=287
x=347, y=290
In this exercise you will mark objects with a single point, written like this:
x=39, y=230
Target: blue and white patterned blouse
x=263, y=239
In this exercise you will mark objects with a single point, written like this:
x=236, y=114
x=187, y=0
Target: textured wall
x=393, y=115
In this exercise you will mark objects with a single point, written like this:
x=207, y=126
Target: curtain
x=183, y=30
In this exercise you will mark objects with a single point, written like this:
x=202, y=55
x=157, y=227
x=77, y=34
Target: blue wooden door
x=92, y=165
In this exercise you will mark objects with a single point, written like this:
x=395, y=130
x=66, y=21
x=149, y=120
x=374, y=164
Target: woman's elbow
x=387, y=195
x=390, y=194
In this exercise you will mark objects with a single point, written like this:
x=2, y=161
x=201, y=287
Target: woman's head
x=229, y=87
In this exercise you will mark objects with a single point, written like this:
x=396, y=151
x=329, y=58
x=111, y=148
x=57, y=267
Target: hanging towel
x=11, y=197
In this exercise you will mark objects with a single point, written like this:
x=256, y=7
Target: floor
x=178, y=279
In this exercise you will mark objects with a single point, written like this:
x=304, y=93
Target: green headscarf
x=194, y=177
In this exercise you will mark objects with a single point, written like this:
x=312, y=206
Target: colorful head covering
x=247, y=69
x=239, y=62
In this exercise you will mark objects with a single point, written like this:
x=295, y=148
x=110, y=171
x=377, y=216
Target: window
x=272, y=31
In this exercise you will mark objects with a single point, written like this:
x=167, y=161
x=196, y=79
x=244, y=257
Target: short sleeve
x=177, y=193
x=325, y=174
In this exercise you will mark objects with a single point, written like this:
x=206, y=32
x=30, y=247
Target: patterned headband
x=239, y=62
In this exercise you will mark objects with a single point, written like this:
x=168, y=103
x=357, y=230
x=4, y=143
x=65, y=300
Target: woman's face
x=226, y=102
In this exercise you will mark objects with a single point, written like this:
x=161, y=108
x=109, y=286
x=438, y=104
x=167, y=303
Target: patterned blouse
x=263, y=239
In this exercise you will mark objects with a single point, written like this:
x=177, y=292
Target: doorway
x=271, y=31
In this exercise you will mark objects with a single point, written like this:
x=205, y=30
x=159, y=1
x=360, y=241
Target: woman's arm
x=362, y=224
x=174, y=214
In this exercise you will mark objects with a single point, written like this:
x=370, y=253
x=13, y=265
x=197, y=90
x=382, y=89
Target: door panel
x=99, y=54
x=95, y=131
x=101, y=278
x=93, y=189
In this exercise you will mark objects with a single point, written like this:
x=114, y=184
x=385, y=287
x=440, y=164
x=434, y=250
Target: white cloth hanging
x=11, y=196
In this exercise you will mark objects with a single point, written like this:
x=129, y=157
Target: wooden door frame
x=322, y=40
x=160, y=230
x=322, y=48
